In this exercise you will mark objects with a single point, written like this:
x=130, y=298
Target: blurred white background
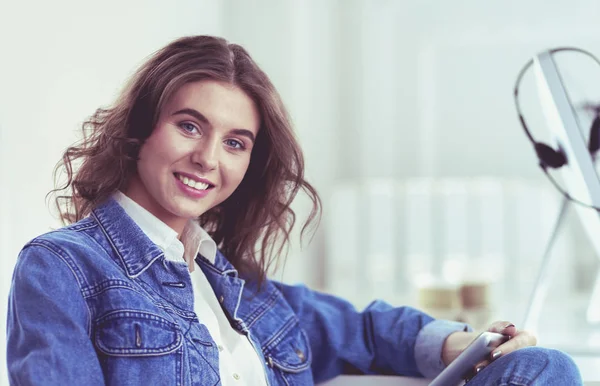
x=404, y=109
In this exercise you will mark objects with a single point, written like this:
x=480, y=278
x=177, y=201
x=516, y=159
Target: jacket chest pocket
x=137, y=347
x=289, y=354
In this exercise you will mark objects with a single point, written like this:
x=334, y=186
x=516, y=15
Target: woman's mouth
x=192, y=183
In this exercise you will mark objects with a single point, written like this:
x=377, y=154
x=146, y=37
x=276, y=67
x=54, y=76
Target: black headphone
x=549, y=157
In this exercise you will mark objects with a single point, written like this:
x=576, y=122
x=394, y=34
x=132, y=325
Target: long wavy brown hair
x=252, y=227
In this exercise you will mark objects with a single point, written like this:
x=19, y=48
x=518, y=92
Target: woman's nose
x=206, y=155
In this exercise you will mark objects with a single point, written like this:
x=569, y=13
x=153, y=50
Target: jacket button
x=300, y=354
x=221, y=299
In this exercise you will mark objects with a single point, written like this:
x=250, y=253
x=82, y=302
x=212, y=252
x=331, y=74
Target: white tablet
x=477, y=351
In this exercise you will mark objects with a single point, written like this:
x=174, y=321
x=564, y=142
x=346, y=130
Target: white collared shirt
x=239, y=363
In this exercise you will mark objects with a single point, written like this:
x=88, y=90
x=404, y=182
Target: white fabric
x=239, y=363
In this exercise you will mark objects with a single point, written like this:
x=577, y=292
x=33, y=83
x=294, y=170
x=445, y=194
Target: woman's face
x=197, y=154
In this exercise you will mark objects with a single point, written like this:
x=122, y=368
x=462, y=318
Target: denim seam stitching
x=112, y=244
x=195, y=348
x=513, y=381
x=262, y=309
x=72, y=269
x=522, y=381
x=93, y=240
x=143, y=315
x=123, y=312
x=204, y=261
x=58, y=251
x=309, y=354
x=159, y=300
x=179, y=361
x=128, y=269
x=175, y=310
x=210, y=266
x=268, y=348
x=98, y=291
x=277, y=337
x=83, y=227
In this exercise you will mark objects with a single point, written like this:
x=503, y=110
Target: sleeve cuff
x=429, y=343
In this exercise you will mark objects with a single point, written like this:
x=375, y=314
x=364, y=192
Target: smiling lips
x=192, y=183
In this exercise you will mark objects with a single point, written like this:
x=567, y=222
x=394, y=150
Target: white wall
x=377, y=88
x=60, y=61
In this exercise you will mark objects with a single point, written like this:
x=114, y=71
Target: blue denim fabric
x=532, y=366
x=428, y=351
x=97, y=303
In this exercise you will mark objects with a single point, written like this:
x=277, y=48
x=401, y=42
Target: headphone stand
x=593, y=310
x=545, y=274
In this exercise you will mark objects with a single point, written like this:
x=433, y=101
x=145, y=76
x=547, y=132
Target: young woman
x=178, y=201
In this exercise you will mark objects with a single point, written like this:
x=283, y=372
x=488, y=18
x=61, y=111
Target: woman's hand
x=458, y=341
x=517, y=339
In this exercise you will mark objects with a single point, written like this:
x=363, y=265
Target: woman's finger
x=517, y=341
x=476, y=369
x=503, y=327
x=479, y=366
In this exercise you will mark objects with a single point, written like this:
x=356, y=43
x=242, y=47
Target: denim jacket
x=97, y=303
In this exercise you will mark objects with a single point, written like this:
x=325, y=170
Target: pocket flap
x=136, y=333
x=290, y=350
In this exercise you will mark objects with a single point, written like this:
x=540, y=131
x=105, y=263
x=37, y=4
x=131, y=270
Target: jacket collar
x=221, y=265
x=133, y=248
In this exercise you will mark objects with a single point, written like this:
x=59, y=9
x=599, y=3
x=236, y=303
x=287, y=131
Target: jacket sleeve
x=48, y=326
x=379, y=340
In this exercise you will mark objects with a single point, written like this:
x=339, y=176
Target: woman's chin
x=189, y=213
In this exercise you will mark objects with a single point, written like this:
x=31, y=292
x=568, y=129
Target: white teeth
x=192, y=183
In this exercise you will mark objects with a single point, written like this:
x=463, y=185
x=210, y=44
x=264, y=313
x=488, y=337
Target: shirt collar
x=197, y=240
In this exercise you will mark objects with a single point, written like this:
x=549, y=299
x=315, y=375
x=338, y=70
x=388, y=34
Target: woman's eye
x=188, y=127
x=234, y=144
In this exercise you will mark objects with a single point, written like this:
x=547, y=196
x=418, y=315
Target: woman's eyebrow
x=194, y=113
x=245, y=133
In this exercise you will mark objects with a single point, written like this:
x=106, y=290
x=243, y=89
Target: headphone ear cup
x=594, y=141
x=549, y=157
